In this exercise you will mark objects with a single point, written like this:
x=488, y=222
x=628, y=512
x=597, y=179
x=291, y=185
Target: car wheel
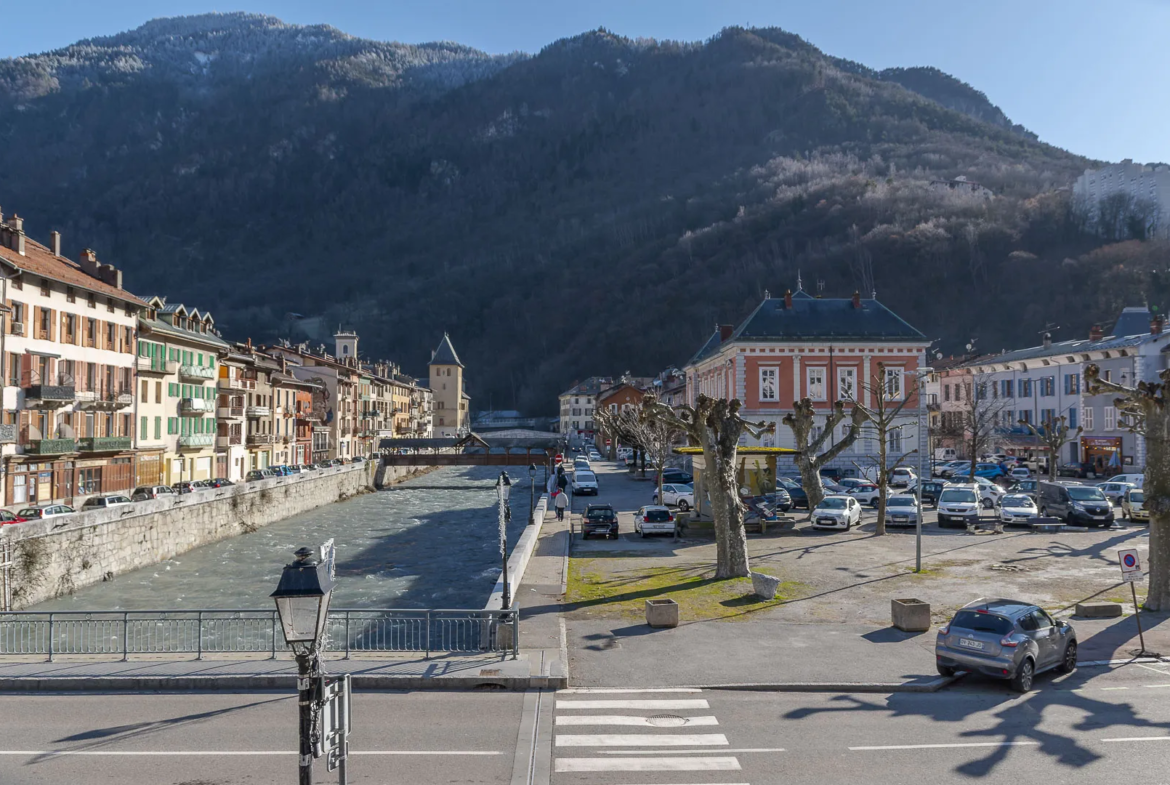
x=1043, y=512
x=873, y=503
x=1022, y=681
x=642, y=534
x=683, y=506
x=944, y=670
x=654, y=500
x=986, y=504
x=1068, y=663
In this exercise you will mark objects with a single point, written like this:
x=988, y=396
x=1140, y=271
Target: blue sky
x=1085, y=75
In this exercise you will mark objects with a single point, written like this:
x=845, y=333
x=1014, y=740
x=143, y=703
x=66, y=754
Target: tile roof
x=1065, y=347
x=445, y=354
x=39, y=260
x=591, y=386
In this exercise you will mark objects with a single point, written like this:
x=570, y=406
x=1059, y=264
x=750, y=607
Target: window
x=1026, y=415
x=1072, y=383
x=142, y=432
x=158, y=427
x=110, y=304
x=894, y=384
x=90, y=301
x=846, y=384
x=1005, y=389
x=1008, y=418
x=146, y=393
x=1109, y=376
x=946, y=388
x=1087, y=418
x=896, y=441
x=816, y=384
x=1048, y=417
x=44, y=288
x=769, y=390
x=1110, y=418
x=1072, y=418
x=18, y=312
x=1047, y=386
x=18, y=283
x=1025, y=388
x=111, y=336
x=70, y=295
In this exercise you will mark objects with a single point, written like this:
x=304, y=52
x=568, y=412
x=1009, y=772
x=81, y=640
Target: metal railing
x=199, y=632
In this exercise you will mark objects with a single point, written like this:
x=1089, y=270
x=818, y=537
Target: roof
x=445, y=354
x=1079, y=346
x=591, y=386
x=707, y=349
x=39, y=260
x=1133, y=321
x=813, y=319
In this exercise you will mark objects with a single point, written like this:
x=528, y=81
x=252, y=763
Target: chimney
x=88, y=263
x=788, y=299
x=55, y=243
x=857, y=301
x=1156, y=324
x=1095, y=333
x=1047, y=339
x=110, y=274
x=725, y=331
x=16, y=226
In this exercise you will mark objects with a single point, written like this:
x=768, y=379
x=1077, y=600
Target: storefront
x=66, y=481
x=1102, y=454
x=149, y=470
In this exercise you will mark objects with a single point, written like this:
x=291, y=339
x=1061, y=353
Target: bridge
x=474, y=450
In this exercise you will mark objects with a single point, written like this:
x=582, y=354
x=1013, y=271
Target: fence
x=202, y=632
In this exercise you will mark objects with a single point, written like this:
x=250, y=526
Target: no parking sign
x=1131, y=566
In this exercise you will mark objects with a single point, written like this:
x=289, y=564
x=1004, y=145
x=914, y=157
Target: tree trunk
x=729, y=531
x=882, y=478
x=810, y=480
x=1157, y=487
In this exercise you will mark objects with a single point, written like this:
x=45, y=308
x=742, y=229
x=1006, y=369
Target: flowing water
x=430, y=542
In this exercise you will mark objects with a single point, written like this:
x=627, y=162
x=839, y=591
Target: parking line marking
x=692, y=752
x=627, y=719
x=615, y=690
x=1139, y=738
x=164, y=753
x=1107, y=689
x=572, y=765
x=695, y=703
x=1152, y=686
x=948, y=746
x=639, y=740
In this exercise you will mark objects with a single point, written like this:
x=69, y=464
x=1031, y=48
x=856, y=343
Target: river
x=429, y=542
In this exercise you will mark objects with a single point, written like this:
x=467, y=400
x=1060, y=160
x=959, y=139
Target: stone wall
x=56, y=556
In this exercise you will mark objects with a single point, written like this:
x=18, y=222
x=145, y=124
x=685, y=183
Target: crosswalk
x=613, y=736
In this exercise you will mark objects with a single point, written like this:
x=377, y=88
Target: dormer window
x=90, y=301
x=44, y=288
x=70, y=295
x=17, y=282
x=110, y=304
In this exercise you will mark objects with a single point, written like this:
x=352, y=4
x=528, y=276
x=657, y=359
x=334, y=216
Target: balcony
x=237, y=384
x=258, y=411
x=255, y=439
x=309, y=415
x=196, y=373
x=229, y=412
x=371, y=414
x=157, y=365
x=231, y=440
x=104, y=443
x=196, y=407
x=104, y=400
x=59, y=391
x=195, y=441
x=365, y=397
x=50, y=446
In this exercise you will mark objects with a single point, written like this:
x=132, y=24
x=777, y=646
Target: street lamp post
x=531, y=492
x=302, y=600
x=924, y=464
x=503, y=490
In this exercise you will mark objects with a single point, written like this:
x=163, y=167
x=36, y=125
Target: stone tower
x=451, y=417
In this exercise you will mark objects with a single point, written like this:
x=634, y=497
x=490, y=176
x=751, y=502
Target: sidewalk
x=539, y=598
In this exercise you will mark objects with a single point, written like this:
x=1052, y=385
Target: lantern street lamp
x=503, y=490
x=302, y=601
x=531, y=492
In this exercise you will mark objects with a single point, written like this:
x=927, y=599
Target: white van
x=945, y=454
x=1136, y=480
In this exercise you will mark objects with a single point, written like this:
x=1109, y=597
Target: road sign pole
x=1137, y=616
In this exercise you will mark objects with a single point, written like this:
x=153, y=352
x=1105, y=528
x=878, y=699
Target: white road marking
x=639, y=740
x=1110, y=689
x=613, y=690
x=695, y=703
x=1155, y=670
x=1152, y=686
x=1140, y=738
x=570, y=765
x=626, y=719
x=948, y=746
x=692, y=752
x=235, y=752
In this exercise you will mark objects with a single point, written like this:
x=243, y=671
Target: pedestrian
x=560, y=502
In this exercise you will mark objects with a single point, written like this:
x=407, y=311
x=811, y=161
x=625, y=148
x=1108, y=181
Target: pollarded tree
x=714, y=425
x=1145, y=406
x=889, y=396
x=809, y=458
x=655, y=436
x=1053, y=434
x=980, y=415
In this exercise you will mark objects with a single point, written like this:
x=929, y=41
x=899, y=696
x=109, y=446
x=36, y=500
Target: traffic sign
x=329, y=558
x=1131, y=566
x=333, y=735
x=558, y=458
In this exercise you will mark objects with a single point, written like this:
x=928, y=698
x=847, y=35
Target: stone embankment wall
x=54, y=557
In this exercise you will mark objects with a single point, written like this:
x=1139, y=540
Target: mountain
x=592, y=208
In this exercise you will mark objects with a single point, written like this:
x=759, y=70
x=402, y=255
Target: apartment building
x=67, y=360
x=576, y=406
x=1140, y=183
x=178, y=350
x=452, y=415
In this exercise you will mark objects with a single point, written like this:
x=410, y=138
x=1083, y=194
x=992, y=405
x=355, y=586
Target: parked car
x=930, y=491
x=902, y=510
x=293, y=470
x=585, y=482
x=681, y=496
x=145, y=492
x=653, y=519
x=221, y=482
x=356, y=459
x=594, y=455
x=1017, y=508
x=1019, y=473
x=1082, y=505
x=989, y=492
x=954, y=468
x=836, y=512
x=581, y=463
x=677, y=476
x=1136, y=480
x=1005, y=639
x=1024, y=486
x=44, y=511
x=864, y=494
x=182, y=487
x=1114, y=490
x=782, y=499
x=1133, y=505
x=989, y=470
x=202, y=484
x=599, y=519
x=901, y=477
x=1070, y=470
x=795, y=492
x=7, y=517
x=958, y=504
x=255, y=475
x=102, y=502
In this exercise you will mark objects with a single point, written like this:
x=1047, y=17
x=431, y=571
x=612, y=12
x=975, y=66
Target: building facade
x=576, y=406
x=1140, y=183
x=452, y=416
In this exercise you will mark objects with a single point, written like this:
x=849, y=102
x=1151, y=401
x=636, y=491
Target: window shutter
x=52, y=325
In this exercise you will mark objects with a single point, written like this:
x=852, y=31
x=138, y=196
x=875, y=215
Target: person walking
x=560, y=502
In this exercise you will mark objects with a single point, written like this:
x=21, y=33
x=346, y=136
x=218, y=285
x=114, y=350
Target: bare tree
x=809, y=458
x=889, y=396
x=1053, y=434
x=1145, y=407
x=715, y=425
x=620, y=426
x=655, y=436
x=979, y=418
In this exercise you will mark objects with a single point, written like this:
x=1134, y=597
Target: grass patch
x=597, y=589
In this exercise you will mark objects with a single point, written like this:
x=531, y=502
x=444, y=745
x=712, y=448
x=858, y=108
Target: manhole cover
x=666, y=720
x=1006, y=568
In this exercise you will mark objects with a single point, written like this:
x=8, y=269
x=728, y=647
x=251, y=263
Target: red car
x=7, y=517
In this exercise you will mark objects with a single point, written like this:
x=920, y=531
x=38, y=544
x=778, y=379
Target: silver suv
x=1005, y=639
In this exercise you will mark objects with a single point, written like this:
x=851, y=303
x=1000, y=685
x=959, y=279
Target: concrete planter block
x=1099, y=610
x=765, y=585
x=504, y=636
x=910, y=615
x=662, y=613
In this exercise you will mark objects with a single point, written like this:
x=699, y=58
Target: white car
x=836, y=512
x=581, y=464
x=594, y=456
x=1136, y=480
x=989, y=492
x=864, y=494
x=102, y=502
x=958, y=504
x=1113, y=490
x=676, y=494
x=585, y=483
x=1017, y=508
x=653, y=519
x=901, y=477
x=1020, y=474
x=902, y=510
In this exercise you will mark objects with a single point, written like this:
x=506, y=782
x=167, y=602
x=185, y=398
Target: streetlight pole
x=924, y=460
x=531, y=492
x=503, y=490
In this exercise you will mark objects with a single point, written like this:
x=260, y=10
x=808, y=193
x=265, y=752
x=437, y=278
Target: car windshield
x=901, y=501
x=656, y=516
x=981, y=622
x=585, y=477
x=1137, y=496
x=1018, y=500
x=600, y=512
x=832, y=504
x=1085, y=494
x=958, y=496
x=29, y=512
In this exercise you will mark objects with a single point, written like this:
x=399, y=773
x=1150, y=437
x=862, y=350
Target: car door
x=1047, y=641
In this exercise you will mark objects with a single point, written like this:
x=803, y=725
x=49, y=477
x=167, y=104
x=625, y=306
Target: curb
x=934, y=685
x=266, y=683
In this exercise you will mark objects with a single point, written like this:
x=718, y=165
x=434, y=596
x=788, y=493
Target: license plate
x=829, y=521
x=1100, y=517
x=969, y=644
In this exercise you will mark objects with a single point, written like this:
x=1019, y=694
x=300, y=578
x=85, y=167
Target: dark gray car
x=1005, y=639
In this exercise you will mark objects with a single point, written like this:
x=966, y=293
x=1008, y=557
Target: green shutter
x=158, y=427
x=143, y=430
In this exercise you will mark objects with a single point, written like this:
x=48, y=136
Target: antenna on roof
x=820, y=287
x=799, y=285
